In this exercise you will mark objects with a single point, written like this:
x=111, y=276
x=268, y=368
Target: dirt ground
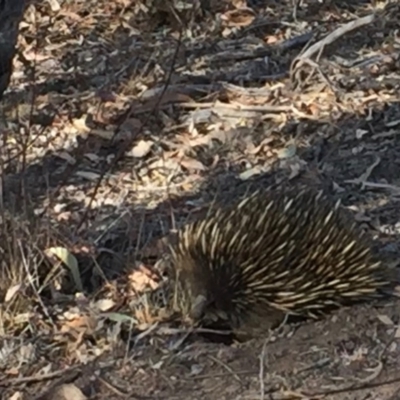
x=123, y=120
x=352, y=355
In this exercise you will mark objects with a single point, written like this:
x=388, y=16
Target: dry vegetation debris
x=125, y=118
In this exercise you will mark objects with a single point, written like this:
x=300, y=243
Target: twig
x=237, y=107
x=229, y=369
x=39, y=377
x=305, y=57
x=175, y=331
x=336, y=34
x=348, y=389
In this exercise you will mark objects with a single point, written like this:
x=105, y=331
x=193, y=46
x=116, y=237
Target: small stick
x=336, y=34
x=305, y=57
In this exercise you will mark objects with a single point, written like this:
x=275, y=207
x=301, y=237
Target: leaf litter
x=253, y=95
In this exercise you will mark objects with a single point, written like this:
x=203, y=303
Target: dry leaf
x=91, y=176
x=192, y=165
x=92, y=157
x=11, y=292
x=397, y=333
x=66, y=392
x=80, y=324
x=80, y=124
x=239, y=17
x=271, y=39
x=239, y=3
x=70, y=261
x=104, y=304
x=142, y=149
x=142, y=279
x=16, y=396
x=119, y=318
x=67, y=157
x=360, y=133
x=287, y=152
x=13, y=371
x=54, y=5
x=385, y=320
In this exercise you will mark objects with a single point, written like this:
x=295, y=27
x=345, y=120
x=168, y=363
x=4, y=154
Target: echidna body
x=272, y=254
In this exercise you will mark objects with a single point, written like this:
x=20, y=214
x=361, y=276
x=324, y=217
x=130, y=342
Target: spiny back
x=295, y=252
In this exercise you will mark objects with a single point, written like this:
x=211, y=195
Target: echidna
x=271, y=254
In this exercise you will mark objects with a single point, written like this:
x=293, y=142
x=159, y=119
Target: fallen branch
x=318, y=48
x=336, y=34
